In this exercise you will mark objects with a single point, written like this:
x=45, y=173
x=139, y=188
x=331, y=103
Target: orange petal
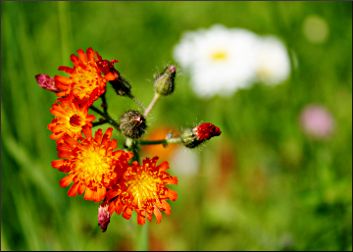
x=100, y=194
x=90, y=54
x=81, y=188
x=66, y=69
x=82, y=55
x=57, y=163
x=163, y=166
x=88, y=194
x=127, y=213
x=75, y=59
x=166, y=207
x=111, y=76
x=158, y=214
x=141, y=219
x=172, y=195
x=64, y=182
x=61, y=80
x=73, y=190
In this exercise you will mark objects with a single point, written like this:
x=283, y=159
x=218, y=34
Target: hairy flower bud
x=103, y=217
x=199, y=134
x=46, y=82
x=133, y=124
x=164, y=82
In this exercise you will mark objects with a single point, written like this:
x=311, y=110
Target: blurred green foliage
x=262, y=185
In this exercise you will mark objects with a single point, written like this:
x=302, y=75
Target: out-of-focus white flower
x=219, y=60
x=315, y=29
x=273, y=64
x=222, y=60
x=185, y=162
x=316, y=121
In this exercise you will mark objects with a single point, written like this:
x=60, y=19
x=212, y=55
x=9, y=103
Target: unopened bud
x=133, y=124
x=164, y=82
x=199, y=134
x=46, y=82
x=121, y=86
x=103, y=217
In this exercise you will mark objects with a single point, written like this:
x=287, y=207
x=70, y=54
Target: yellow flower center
x=219, y=55
x=93, y=164
x=86, y=80
x=143, y=188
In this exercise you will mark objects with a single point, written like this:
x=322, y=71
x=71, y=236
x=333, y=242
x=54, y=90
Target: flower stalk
x=151, y=105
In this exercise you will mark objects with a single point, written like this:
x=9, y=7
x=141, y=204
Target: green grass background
x=262, y=185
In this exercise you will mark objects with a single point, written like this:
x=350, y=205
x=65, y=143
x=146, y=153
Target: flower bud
x=164, y=82
x=121, y=86
x=103, y=217
x=199, y=134
x=46, y=82
x=133, y=124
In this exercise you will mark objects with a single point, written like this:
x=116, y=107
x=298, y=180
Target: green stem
x=142, y=239
x=161, y=141
x=104, y=104
x=107, y=117
x=150, y=106
x=99, y=122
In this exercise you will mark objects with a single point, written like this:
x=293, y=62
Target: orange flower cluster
x=92, y=163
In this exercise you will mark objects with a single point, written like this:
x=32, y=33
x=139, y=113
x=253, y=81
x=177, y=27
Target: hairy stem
x=150, y=106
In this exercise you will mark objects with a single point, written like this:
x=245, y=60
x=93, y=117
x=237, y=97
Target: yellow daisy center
x=219, y=55
x=92, y=164
x=143, y=188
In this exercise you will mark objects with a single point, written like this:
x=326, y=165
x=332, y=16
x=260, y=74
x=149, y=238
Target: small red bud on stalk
x=46, y=82
x=199, y=134
x=103, y=217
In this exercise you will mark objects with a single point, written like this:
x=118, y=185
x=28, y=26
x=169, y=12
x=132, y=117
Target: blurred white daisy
x=219, y=60
x=273, y=64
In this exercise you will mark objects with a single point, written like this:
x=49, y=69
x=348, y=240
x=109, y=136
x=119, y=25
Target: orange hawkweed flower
x=88, y=78
x=143, y=190
x=69, y=119
x=92, y=163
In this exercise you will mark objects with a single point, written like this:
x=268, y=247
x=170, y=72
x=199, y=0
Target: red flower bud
x=103, y=217
x=199, y=134
x=46, y=82
x=205, y=131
